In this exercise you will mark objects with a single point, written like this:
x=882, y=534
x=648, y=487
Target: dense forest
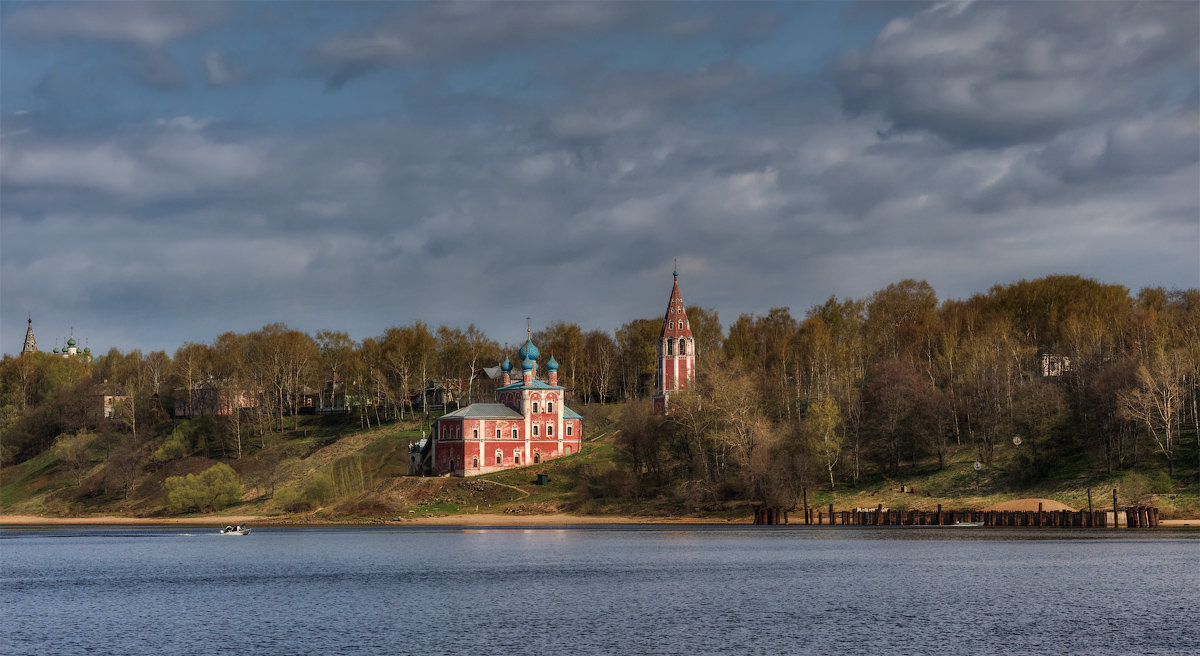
x=1068, y=369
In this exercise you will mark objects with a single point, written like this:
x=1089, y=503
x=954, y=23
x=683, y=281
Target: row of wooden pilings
x=1133, y=516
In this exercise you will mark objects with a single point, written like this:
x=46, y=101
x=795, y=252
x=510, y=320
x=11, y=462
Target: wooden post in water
x=804, y=495
x=1089, y=499
x=1115, y=522
x=939, y=515
x=831, y=514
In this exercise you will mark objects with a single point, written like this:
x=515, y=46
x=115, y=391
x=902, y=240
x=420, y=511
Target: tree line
x=1057, y=369
x=852, y=386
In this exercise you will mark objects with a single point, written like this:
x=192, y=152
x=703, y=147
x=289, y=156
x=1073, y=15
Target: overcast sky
x=170, y=171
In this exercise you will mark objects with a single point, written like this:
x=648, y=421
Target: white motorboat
x=235, y=530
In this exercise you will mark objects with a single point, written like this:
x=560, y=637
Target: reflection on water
x=601, y=590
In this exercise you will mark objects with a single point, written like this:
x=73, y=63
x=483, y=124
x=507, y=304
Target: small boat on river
x=967, y=524
x=235, y=530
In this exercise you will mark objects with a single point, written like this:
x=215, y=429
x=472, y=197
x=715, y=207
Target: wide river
x=600, y=590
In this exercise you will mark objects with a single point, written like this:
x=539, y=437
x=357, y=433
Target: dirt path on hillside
x=511, y=487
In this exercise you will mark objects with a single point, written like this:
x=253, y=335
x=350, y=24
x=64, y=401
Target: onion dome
x=506, y=366
x=71, y=342
x=527, y=364
x=56, y=349
x=552, y=365
x=528, y=350
x=87, y=349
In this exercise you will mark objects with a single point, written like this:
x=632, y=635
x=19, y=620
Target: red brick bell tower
x=676, y=351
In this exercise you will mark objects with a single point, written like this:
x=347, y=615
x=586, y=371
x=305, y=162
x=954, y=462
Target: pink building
x=676, y=351
x=527, y=424
x=212, y=398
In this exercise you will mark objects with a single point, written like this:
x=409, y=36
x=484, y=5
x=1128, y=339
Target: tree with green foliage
x=823, y=425
x=212, y=489
x=637, y=342
x=74, y=451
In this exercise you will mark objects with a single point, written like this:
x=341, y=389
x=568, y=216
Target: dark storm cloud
x=996, y=74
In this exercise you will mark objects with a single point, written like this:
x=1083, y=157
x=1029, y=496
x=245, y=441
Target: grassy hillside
x=329, y=469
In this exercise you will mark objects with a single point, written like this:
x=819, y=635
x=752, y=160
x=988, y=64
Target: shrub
x=175, y=447
x=315, y=492
x=189, y=436
x=1161, y=484
x=213, y=489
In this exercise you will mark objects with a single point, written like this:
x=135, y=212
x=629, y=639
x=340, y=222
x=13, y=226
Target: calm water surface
x=600, y=590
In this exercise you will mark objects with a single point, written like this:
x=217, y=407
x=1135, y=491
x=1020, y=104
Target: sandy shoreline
x=447, y=520
x=496, y=519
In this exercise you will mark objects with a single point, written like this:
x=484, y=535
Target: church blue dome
x=552, y=365
x=506, y=366
x=528, y=350
x=527, y=364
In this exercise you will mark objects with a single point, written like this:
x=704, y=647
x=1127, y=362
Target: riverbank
x=482, y=519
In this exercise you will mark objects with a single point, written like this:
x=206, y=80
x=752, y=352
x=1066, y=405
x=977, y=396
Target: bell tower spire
x=30, y=340
x=676, y=349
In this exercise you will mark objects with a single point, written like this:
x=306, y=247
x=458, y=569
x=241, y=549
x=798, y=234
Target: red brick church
x=528, y=423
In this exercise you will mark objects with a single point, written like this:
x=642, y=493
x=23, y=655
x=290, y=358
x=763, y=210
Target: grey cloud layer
x=1005, y=73
x=571, y=208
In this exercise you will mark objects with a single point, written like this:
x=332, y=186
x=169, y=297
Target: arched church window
x=535, y=406
x=535, y=430
x=537, y=457
x=682, y=347
x=475, y=462
x=549, y=430
x=499, y=457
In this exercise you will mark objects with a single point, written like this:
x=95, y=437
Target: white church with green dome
x=71, y=350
